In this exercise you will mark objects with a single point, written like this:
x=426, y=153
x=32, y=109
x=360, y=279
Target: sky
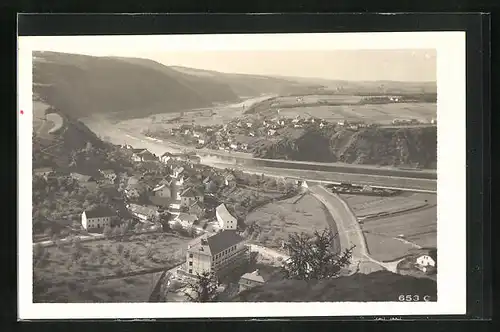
x=358, y=65
x=415, y=64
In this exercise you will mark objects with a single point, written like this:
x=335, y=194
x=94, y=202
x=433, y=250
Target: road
x=267, y=252
x=349, y=230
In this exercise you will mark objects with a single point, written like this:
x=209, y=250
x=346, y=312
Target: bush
x=119, y=248
x=107, y=231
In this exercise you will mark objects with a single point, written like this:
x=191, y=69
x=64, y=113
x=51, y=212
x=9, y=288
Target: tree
x=204, y=289
x=138, y=227
x=107, y=231
x=117, y=231
x=314, y=256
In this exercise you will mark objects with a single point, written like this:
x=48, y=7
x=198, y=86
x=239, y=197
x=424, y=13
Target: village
x=245, y=133
x=242, y=134
x=173, y=193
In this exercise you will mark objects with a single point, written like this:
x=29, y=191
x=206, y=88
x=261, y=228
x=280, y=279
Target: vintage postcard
x=280, y=175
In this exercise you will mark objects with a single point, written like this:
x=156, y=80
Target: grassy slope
x=377, y=286
x=81, y=85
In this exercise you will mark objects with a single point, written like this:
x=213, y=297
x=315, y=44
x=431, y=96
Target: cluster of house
x=405, y=122
x=91, y=182
x=239, y=135
x=353, y=125
x=144, y=155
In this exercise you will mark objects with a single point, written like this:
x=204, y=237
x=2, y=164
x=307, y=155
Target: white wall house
x=225, y=220
x=97, y=218
x=425, y=261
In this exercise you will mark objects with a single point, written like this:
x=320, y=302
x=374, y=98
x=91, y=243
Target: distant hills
x=81, y=85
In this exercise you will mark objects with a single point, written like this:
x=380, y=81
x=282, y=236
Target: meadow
x=87, y=262
x=376, y=113
x=411, y=223
x=275, y=221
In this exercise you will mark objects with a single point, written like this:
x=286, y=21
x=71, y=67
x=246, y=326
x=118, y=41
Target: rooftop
x=81, y=177
x=98, y=212
x=187, y=217
x=224, y=213
x=143, y=209
x=190, y=192
x=217, y=243
x=254, y=276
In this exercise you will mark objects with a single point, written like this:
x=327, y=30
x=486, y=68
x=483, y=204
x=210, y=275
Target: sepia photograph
x=271, y=173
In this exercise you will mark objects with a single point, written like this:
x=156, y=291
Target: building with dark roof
x=250, y=280
x=189, y=196
x=220, y=253
x=97, y=218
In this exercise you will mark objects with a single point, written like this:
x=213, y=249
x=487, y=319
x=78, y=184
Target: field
x=276, y=220
x=130, y=289
x=368, y=205
x=89, y=261
x=378, y=113
x=347, y=99
x=391, y=237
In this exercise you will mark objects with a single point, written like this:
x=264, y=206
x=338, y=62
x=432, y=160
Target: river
x=371, y=175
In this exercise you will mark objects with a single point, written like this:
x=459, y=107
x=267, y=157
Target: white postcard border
x=451, y=228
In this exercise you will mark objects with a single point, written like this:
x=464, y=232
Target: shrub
x=107, y=231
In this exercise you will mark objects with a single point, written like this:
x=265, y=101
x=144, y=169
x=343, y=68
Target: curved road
x=350, y=232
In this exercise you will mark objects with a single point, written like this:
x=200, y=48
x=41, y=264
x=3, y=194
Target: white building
x=424, y=262
x=219, y=253
x=97, y=218
x=225, y=220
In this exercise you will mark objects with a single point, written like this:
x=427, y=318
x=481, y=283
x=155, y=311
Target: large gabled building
x=220, y=253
